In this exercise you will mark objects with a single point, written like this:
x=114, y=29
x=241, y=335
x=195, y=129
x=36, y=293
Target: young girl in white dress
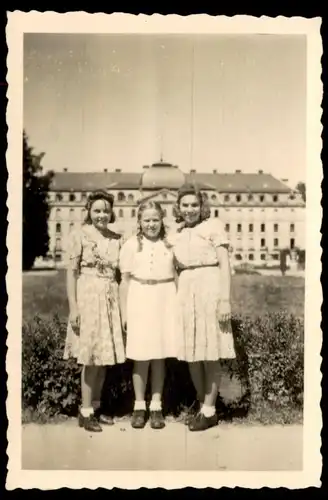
x=148, y=300
x=94, y=332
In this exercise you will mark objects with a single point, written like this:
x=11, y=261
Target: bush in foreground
x=269, y=366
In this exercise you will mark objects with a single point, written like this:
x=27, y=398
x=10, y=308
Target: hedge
x=269, y=366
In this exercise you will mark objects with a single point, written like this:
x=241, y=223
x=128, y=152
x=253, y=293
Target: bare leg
x=88, y=385
x=211, y=386
x=197, y=374
x=101, y=375
x=157, y=379
x=139, y=377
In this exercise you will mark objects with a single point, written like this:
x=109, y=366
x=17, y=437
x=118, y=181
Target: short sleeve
x=216, y=232
x=127, y=254
x=74, y=250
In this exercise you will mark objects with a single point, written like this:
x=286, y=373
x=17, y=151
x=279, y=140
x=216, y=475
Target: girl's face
x=151, y=223
x=190, y=209
x=100, y=214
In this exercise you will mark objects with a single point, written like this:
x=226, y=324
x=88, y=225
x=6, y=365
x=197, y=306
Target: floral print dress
x=95, y=257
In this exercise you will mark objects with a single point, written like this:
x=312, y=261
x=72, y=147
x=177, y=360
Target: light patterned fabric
x=96, y=258
x=200, y=335
x=151, y=309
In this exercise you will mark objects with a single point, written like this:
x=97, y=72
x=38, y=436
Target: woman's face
x=190, y=208
x=100, y=214
x=151, y=223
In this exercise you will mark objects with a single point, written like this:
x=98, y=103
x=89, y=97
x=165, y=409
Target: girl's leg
x=99, y=382
x=157, y=384
x=88, y=384
x=211, y=387
x=139, y=377
x=197, y=374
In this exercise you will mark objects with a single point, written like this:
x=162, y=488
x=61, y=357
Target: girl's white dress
x=151, y=308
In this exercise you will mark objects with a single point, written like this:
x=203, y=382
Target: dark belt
x=151, y=282
x=180, y=269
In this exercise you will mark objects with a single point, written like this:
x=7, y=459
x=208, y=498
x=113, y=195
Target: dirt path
x=227, y=447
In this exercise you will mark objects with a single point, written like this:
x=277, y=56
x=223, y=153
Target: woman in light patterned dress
x=94, y=332
x=203, y=322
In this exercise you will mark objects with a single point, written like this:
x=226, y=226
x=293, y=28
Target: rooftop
x=164, y=175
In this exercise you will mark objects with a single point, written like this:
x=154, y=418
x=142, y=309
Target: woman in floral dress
x=203, y=323
x=94, y=332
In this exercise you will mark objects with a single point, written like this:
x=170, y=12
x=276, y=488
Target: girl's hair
x=95, y=196
x=205, y=212
x=156, y=206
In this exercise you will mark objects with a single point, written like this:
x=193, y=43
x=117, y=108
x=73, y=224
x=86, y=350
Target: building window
x=83, y=197
x=131, y=197
x=58, y=213
x=275, y=242
x=59, y=197
x=292, y=228
x=262, y=228
x=261, y=198
x=58, y=244
x=133, y=212
x=251, y=256
x=239, y=228
x=292, y=243
x=213, y=197
x=262, y=256
x=238, y=198
x=275, y=228
x=121, y=196
x=58, y=257
x=58, y=227
x=238, y=256
x=72, y=197
x=164, y=212
x=226, y=197
x=275, y=256
x=251, y=228
x=120, y=212
x=292, y=197
x=262, y=242
x=71, y=213
x=227, y=228
x=71, y=226
x=216, y=213
x=250, y=197
x=275, y=198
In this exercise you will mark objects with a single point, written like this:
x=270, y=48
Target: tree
x=301, y=187
x=35, y=206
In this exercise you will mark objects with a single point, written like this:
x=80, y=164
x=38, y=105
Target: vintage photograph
x=164, y=201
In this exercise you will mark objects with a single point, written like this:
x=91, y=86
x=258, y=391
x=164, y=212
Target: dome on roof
x=162, y=175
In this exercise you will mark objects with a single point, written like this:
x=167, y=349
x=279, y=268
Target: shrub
x=269, y=365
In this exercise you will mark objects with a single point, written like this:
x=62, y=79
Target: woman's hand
x=224, y=311
x=74, y=319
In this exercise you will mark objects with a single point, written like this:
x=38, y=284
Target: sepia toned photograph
x=169, y=203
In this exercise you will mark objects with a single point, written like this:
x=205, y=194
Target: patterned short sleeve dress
x=100, y=339
x=199, y=332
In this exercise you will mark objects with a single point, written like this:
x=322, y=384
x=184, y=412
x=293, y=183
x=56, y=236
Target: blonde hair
x=156, y=206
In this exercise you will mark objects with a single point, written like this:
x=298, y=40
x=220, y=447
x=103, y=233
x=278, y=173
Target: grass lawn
x=252, y=295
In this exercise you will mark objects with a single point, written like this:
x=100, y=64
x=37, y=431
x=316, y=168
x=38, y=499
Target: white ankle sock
x=208, y=411
x=140, y=405
x=155, y=406
x=86, y=411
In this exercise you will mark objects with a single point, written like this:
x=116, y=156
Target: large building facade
x=261, y=214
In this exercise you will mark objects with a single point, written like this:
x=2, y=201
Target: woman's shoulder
x=211, y=226
x=129, y=242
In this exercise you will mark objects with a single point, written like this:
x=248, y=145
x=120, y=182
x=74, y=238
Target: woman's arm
x=224, y=262
x=71, y=286
x=124, y=287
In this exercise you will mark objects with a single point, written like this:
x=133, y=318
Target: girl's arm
x=124, y=287
x=71, y=282
x=224, y=262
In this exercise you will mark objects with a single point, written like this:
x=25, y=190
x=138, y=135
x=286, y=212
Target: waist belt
x=151, y=282
x=187, y=268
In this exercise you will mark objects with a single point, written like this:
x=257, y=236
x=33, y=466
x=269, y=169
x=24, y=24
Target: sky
x=201, y=102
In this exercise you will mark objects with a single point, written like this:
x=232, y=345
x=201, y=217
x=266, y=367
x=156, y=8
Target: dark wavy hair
x=95, y=196
x=186, y=189
x=156, y=206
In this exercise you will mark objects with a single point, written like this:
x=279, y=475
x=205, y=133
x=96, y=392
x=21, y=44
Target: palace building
x=261, y=214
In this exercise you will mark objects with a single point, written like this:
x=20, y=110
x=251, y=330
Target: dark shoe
x=192, y=412
x=103, y=418
x=90, y=423
x=202, y=423
x=157, y=420
x=138, y=420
